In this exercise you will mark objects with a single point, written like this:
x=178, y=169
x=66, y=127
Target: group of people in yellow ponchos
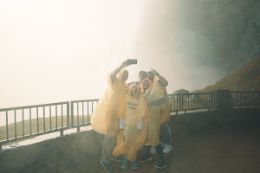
x=130, y=115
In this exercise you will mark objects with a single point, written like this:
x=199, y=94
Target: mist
x=62, y=50
x=199, y=42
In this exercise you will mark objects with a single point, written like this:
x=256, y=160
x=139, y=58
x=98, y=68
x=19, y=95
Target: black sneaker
x=160, y=164
x=145, y=154
x=135, y=165
x=106, y=166
x=124, y=164
x=117, y=159
x=146, y=158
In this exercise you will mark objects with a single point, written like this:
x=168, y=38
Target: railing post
x=210, y=101
x=61, y=132
x=258, y=99
x=7, y=129
x=188, y=101
x=223, y=100
x=15, y=125
x=181, y=102
x=43, y=112
x=88, y=112
x=23, y=121
x=72, y=114
x=78, y=114
x=68, y=114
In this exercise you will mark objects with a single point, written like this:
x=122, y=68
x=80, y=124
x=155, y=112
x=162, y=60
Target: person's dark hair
x=142, y=72
x=150, y=75
x=142, y=75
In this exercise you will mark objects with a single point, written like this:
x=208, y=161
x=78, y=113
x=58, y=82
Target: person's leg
x=135, y=165
x=145, y=153
x=153, y=150
x=107, y=147
x=124, y=163
x=165, y=133
x=160, y=161
x=166, y=137
x=106, y=153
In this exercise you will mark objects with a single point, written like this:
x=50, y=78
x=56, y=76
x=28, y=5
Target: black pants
x=108, y=145
x=166, y=134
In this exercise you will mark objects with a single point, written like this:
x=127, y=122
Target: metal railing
x=242, y=99
x=27, y=121
x=81, y=111
x=191, y=101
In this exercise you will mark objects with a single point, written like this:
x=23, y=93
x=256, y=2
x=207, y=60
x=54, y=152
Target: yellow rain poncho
x=157, y=114
x=106, y=116
x=134, y=132
x=165, y=108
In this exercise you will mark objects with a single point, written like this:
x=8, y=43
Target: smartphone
x=132, y=61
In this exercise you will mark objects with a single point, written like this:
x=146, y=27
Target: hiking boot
x=160, y=164
x=135, y=165
x=106, y=166
x=124, y=164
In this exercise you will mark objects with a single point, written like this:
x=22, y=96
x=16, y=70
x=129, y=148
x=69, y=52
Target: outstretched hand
x=129, y=62
x=123, y=65
x=155, y=72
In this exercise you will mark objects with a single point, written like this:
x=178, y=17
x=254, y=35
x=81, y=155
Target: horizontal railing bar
x=245, y=91
x=88, y=100
x=32, y=106
x=80, y=125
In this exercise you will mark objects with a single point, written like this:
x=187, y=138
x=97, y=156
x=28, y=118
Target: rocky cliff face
x=233, y=26
x=218, y=34
x=245, y=78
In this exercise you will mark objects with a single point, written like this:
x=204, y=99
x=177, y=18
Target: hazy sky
x=59, y=50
